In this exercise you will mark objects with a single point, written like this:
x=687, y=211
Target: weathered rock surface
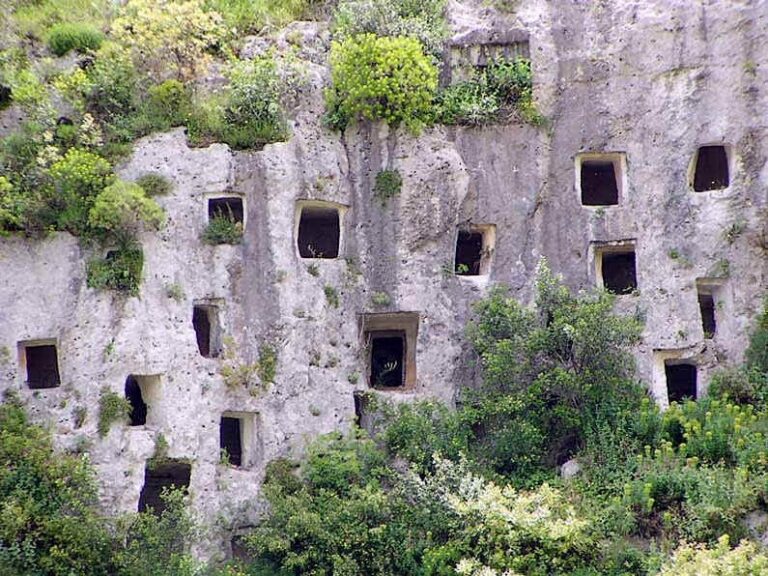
x=652, y=79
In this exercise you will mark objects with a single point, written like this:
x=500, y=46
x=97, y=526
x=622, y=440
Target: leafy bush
x=550, y=375
x=223, y=229
x=740, y=385
x=497, y=92
x=166, y=37
x=251, y=16
x=112, y=408
x=49, y=521
x=387, y=185
x=420, y=19
x=757, y=353
x=168, y=104
x=122, y=209
x=114, y=83
x=691, y=560
x=380, y=79
x=12, y=206
x=69, y=36
x=250, y=113
x=74, y=183
x=120, y=270
x=154, y=184
x=36, y=18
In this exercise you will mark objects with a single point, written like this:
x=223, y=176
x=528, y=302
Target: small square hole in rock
x=618, y=271
x=42, y=366
x=681, y=380
x=205, y=321
x=598, y=183
x=387, y=359
x=707, y=310
x=133, y=393
x=159, y=475
x=319, y=232
x=711, y=171
x=469, y=253
x=230, y=208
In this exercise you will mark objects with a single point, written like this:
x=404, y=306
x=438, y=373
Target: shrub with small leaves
x=122, y=209
x=387, y=185
x=697, y=560
x=73, y=36
x=223, y=229
x=120, y=270
x=379, y=78
x=154, y=184
x=112, y=408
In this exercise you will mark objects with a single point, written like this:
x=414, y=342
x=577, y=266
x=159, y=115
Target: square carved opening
x=158, y=476
x=142, y=392
x=40, y=362
x=390, y=345
x=681, y=380
x=616, y=267
x=711, y=171
x=318, y=229
x=600, y=178
x=238, y=438
x=229, y=207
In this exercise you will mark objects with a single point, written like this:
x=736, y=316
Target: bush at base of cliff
x=380, y=78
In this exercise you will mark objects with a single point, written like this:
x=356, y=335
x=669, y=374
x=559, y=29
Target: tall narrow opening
x=707, y=311
x=230, y=207
x=205, y=320
x=133, y=393
x=599, y=185
x=469, y=253
x=711, y=171
x=158, y=476
x=387, y=368
x=616, y=267
x=319, y=232
x=231, y=439
x=390, y=344
x=42, y=365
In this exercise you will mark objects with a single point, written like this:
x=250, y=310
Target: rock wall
x=650, y=81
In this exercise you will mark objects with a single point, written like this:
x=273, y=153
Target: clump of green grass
x=68, y=36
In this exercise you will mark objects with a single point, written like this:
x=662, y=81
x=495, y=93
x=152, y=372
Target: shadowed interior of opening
x=711, y=169
x=619, y=272
x=205, y=323
x=707, y=309
x=230, y=439
x=319, y=232
x=598, y=183
x=42, y=366
x=469, y=253
x=159, y=475
x=681, y=381
x=138, y=415
x=230, y=208
x=387, y=359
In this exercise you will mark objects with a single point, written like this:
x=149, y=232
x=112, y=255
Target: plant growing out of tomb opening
x=223, y=229
x=112, y=408
x=120, y=270
x=380, y=78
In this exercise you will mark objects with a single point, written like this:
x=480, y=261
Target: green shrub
x=692, y=560
x=387, y=185
x=251, y=16
x=50, y=524
x=757, y=353
x=70, y=36
x=122, y=209
x=331, y=295
x=420, y=19
x=112, y=408
x=154, y=184
x=740, y=385
x=114, y=85
x=12, y=207
x=496, y=93
x=74, y=183
x=250, y=114
x=380, y=79
x=267, y=364
x=120, y=270
x=223, y=229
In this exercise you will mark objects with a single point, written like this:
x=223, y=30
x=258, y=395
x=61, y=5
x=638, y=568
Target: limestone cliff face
x=638, y=85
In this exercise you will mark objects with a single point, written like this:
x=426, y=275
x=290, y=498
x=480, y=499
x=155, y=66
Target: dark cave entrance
x=319, y=232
